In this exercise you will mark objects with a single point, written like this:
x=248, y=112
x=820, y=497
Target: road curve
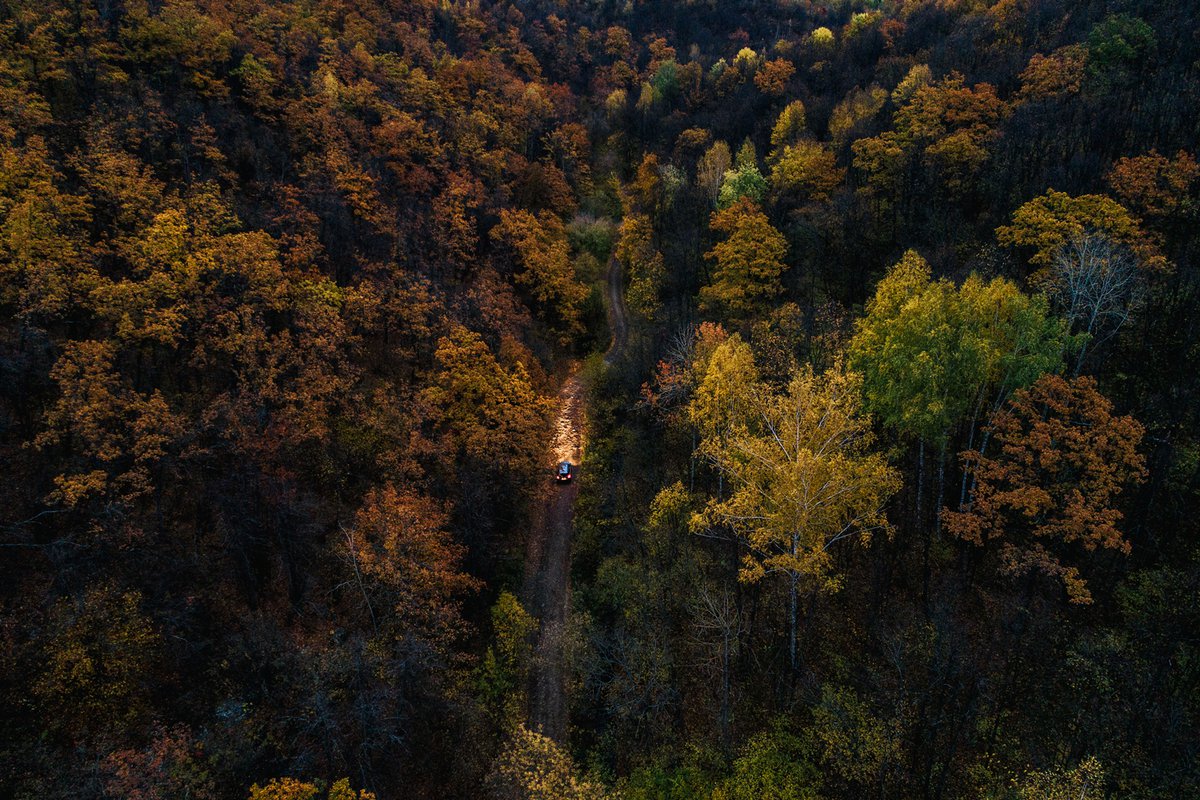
x=547, y=585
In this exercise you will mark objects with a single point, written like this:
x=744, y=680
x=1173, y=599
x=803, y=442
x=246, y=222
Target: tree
x=711, y=169
x=483, y=411
x=858, y=107
x=933, y=355
x=646, y=191
x=1156, y=187
x=533, y=767
x=822, y=41
x=1096, y=284
x=643, y=264
x=803, y=479
x=1084, y=781
x=406, y=567
x=503, y=676
x=744, y=181
x=117, y=437
x=1047, y=223
x=772, y=78
x=173, y=764
x=97, y=663
x=807, y=170
x=45, y=272
x=1117, y=47
x=293, y=789
x=772, y=765
x=919, y=76
x=727, y=382
x=748, y=263
x=1059, y=74
x=857, y=745
x=1064, y=457
x=954, y=343
x=789, y=126
x=947, y=125
x=883, y=161
x=544, y=255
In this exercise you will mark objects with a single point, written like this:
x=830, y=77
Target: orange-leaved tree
x=1063, y=459
x=406, y=566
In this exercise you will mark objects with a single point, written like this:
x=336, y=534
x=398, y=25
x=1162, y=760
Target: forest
x=871, y=328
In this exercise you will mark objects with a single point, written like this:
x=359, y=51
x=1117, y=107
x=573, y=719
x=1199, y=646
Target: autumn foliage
x=1062, y=458
x=882, y=323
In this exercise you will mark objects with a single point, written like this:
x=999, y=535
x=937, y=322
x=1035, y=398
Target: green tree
x=1117, y=47
x=955, y=344
x=503, y=676
x=744, y=182
x=773, y=765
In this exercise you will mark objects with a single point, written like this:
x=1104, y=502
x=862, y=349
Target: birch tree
x=803, y=479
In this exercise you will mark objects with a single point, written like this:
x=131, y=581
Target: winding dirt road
x=547, y=587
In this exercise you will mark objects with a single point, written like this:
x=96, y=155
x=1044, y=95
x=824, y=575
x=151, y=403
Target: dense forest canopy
x=891, y=468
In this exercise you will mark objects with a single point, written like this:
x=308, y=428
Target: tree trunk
x=725, y=659
x=920, y=478
x=792, y=613
x=941, y=489
x=921, y=526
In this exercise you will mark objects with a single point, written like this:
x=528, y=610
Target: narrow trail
x=547, y=587
x=618, y=320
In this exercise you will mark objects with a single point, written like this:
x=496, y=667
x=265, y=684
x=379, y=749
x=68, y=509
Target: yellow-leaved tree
x=293, y=789
x=482, y=412
x=802, y=474
x=1046, y=224
x=533, y=767
x=748, y=263
x=541, y=251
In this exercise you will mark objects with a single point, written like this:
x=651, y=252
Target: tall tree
x=803, y=479
x=1047, y=223
x=1097, y=283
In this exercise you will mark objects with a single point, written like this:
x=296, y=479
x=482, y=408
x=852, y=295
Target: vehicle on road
x=565, y=472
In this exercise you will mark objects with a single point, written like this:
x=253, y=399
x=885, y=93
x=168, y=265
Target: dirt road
x=547, y=588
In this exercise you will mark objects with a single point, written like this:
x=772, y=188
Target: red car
x=564, y=473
